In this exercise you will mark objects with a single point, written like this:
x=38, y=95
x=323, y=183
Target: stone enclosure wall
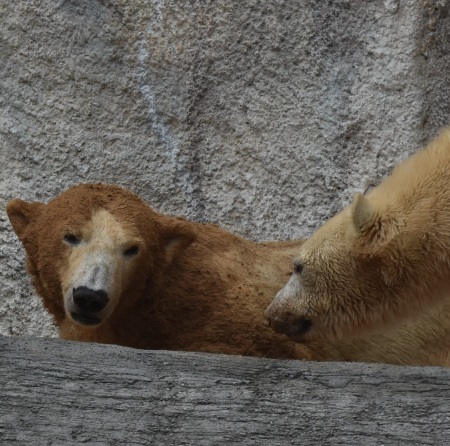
x=263, y=116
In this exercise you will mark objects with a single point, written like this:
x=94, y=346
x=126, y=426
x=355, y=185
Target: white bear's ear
x=22, y=213
x=364, y=214
x=178, y=236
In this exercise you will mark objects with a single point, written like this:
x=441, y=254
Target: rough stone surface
x=67, y=393
x=262, y=116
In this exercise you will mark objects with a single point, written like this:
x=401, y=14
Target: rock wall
x=262, y=116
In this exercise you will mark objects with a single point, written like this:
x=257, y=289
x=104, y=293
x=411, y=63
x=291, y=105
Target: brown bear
x=381, y=267
x=112, y=270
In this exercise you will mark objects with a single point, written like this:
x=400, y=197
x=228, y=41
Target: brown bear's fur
x=189, y=286
x=380, y=267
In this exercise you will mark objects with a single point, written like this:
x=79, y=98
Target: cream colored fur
x=381, y=267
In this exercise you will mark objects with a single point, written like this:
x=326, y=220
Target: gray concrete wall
x=262, y=116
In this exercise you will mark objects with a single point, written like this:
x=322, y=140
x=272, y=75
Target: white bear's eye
x=131, y=251
x=298, y=268
x=72, y=239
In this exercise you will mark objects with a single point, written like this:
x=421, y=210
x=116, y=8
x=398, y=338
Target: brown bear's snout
x=293, y=327
x=89, y=301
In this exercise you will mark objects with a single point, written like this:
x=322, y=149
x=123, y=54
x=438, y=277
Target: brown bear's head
x=346, y=277
x=94, y=248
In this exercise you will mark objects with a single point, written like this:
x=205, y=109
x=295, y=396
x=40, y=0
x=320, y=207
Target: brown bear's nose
x=89, y=301
x=297, y=327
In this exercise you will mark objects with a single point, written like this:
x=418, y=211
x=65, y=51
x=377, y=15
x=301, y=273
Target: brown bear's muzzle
x=88, y=303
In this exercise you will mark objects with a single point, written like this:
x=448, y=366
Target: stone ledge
x=59, y=392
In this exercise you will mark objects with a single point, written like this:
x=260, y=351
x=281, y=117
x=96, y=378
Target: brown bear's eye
x=131, y=251
x=298, y=268
x=72, y=239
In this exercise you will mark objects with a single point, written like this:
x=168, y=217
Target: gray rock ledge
x=63, y=393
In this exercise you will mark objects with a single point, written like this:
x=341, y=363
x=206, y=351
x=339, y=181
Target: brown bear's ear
x=22, y=213
x=178, y=236
x=364, y=215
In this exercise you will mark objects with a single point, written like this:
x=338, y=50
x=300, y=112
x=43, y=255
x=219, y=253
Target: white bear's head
x=350, y=276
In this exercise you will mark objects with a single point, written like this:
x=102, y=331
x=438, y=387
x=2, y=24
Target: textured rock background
x=262, y=116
